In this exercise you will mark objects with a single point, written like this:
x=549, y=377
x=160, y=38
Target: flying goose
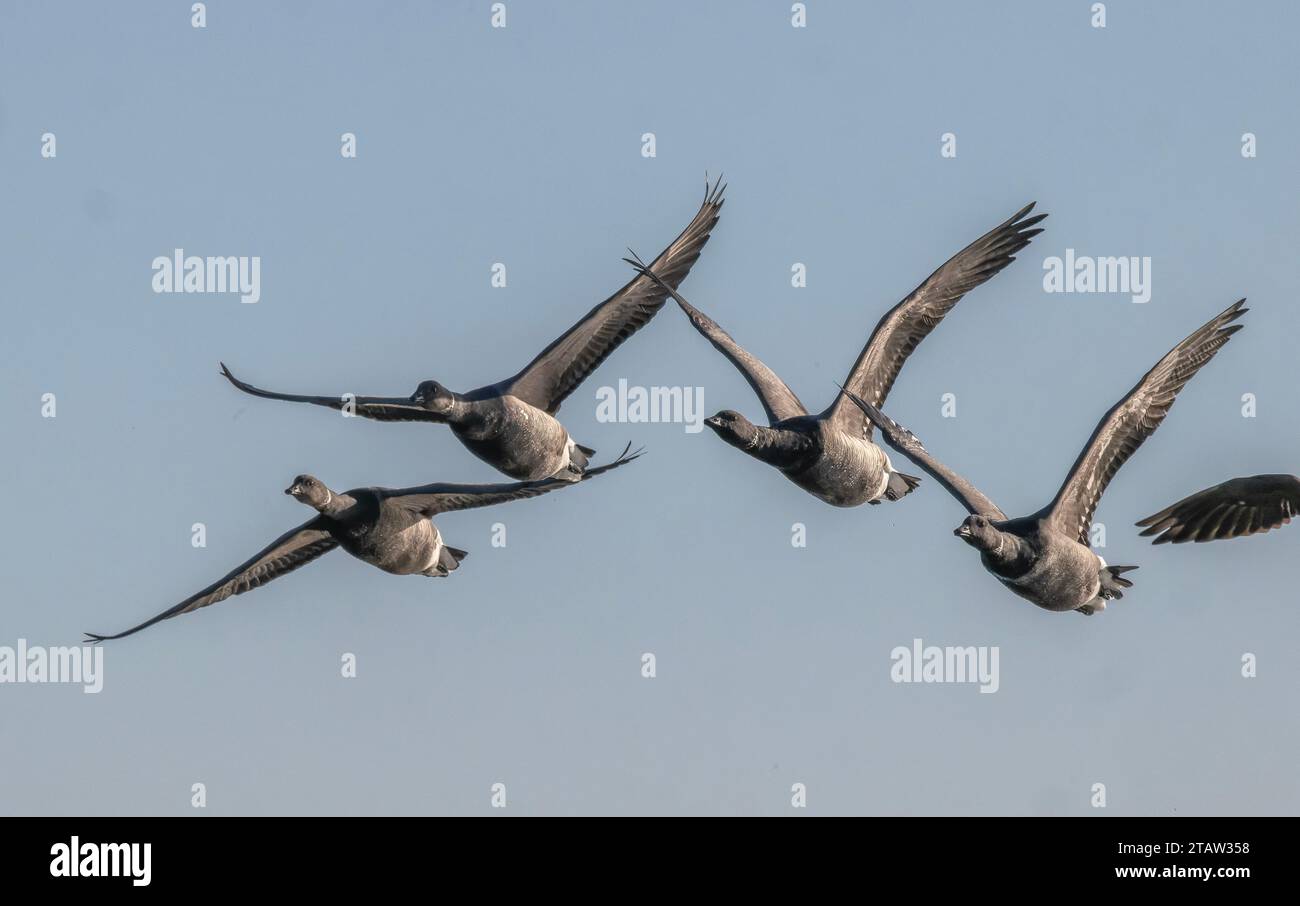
x=1237, y=507
x=386, y=527
x=511, y=425
x=1044, y=557
x=831, y=455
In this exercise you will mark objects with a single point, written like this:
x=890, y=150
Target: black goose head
x=733, y=427
x=433, y=396
x=311, y=491
x=978, y=532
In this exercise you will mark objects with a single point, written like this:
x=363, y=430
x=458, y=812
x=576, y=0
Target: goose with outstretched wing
x=830, y=455
x=389, y=528
x=511, y=425
x=1045, y=557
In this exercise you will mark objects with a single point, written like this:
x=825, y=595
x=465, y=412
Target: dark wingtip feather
x=1022, y=212
x=713, y=195
x=229, y=375
x=636, y=261
x=622, y=459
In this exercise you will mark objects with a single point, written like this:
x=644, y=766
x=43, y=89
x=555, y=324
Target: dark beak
x=414, y=403
x=290, y=490
x=713, y=421
x=962, y=531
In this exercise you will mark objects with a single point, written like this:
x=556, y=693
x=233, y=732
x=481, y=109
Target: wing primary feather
x=558, y=370
x=293, y=549
x=1133, y=419
x=904, y=326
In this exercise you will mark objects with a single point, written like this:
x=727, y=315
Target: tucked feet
x=1113, y=582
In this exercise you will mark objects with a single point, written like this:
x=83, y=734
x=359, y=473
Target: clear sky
x=523, y=146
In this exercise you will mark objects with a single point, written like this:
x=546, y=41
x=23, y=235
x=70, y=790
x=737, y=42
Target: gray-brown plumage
x=1045, y=557
x=1233, y=509
x=831, y=455
x=511, y=425
x=386, y=527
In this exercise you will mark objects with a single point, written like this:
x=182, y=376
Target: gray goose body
x=519, y=439
x=1045, y=558
x=388, y=528
x=835, y=466
x=386, y=534
x=1045, y=566
x=831, y=455
x=511, y=425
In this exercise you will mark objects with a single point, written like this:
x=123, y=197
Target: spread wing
x=432, y=499
x=909, y=322
x=379, y=408
x=1240, y=506
x=1134, y=419
x=778, y=400
x=283, y=555
x=563, y=365
x=907, y=443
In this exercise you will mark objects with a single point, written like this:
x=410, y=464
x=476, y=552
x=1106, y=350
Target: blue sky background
x=522, y=145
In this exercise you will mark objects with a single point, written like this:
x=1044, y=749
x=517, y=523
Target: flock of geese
x=511, y=425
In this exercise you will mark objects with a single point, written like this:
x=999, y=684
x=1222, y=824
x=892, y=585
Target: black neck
x=1009, y=555
x=335, y=505
x=772, y=446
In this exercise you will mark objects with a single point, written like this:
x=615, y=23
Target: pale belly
x=849, y=472
x=1065, y=581
x=410, y=551
x=520, y=440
